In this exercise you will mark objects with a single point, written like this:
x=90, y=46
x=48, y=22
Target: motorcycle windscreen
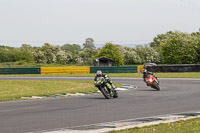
x=99, y=81
x=150, y=79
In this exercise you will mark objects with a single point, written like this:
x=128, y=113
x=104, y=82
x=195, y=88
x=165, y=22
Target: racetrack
x=176, y=95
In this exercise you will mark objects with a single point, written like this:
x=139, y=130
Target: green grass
x=15, y=89
x=132, y=75
x=188, y=126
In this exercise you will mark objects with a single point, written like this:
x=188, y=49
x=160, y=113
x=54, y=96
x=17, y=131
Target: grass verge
x=15, y=89
x=132, y=75
x=188, y=126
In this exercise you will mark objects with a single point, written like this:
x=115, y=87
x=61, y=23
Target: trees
x=86, y=56
x=10, y=54
x=173, y=47
x=81, y=56
x=63, y=58
x=39, y=56
x=148, y=54
x=51, y=54
x=111, y=51
x=71, y=48
x=73, y=51
x=27, y=48
x=89, y=43
x=176, y=47
x=4, y=55
x=130, y=55
x=197, y=35
x=179, y=48
x=159, y=39
x=151, y=55
x=140, y=51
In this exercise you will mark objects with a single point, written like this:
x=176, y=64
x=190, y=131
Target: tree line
x=173, y=47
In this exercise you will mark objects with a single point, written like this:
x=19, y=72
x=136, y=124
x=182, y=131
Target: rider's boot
x=115, y=95
x=113, y=86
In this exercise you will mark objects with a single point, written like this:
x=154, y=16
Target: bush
x=111, y=51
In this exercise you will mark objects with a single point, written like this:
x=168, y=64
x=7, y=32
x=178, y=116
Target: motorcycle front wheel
x=115, y=94
x=105, y=92
x=156, y=86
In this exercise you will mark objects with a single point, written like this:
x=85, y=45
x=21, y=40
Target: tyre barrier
x=175, y=68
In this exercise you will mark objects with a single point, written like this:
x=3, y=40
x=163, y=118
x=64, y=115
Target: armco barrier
x=115, y=69
x=34, y=70
x=175, y=68
x=64, y=70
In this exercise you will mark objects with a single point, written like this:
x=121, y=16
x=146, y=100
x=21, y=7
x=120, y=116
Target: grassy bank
x=188, y=126
x=132, y=75
x=14, y=90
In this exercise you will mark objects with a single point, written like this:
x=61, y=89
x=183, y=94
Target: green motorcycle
x=105, y=88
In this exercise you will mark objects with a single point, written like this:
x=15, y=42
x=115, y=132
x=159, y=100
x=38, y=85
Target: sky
x=58, y=22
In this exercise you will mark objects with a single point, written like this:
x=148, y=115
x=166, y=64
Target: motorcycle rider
x=146, y=74
x=107, y=79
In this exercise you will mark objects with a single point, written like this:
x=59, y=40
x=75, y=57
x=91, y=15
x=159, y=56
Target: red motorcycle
x=153, y=82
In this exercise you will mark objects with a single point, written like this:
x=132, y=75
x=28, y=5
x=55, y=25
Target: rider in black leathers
x=107, y=79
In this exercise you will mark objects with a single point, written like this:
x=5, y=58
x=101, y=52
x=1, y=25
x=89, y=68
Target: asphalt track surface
x=176, y=95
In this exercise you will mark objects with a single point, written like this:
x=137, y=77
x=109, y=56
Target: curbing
x=124, y=87
x=126, y=124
